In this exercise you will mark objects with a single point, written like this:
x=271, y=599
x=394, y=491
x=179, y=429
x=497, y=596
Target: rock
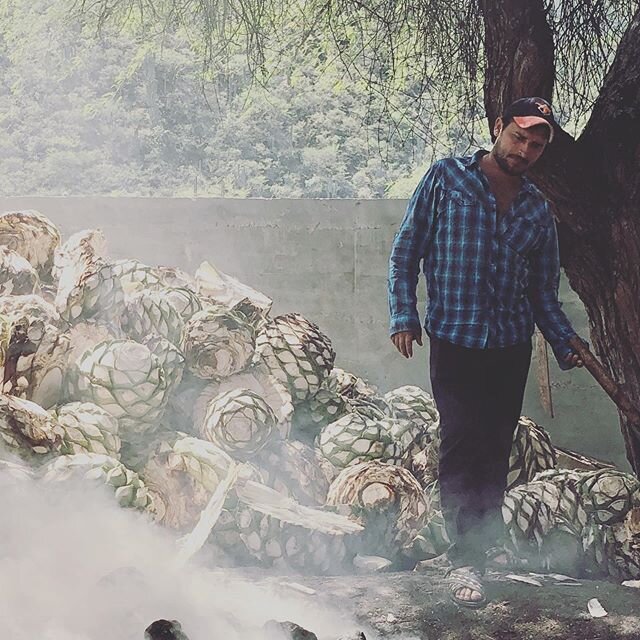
x=358, y=635
x=275, y=630
x=164, y=630
x=371, y=564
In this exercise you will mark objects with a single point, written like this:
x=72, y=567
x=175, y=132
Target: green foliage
x=130, y=112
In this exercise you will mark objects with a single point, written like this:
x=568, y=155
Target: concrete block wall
x=326, y=259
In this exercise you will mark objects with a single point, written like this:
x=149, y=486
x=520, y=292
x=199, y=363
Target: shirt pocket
x=457, y=198
x=459, y=218
x=521, y=236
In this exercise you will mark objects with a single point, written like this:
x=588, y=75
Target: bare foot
x=465, y=587
x=468, y=595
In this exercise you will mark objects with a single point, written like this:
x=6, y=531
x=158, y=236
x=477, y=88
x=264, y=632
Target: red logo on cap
x=543, y=108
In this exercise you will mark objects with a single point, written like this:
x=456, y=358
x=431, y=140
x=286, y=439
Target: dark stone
x=164, y=630
x=275, y=630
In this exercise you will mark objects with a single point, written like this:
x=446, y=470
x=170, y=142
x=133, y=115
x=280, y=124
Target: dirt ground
x=419, y=607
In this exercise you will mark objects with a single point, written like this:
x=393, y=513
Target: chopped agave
x=150, y=312
x=257, y=381
x=88, y=429
x=33, y=306
x=38, y=359
x=217, y=343
x=27, y=430
x=240, y=422
x=17, y=276
x=389, y=500
x=355, y=438
x=128, y=488
x=31, y=235
x=124, y=378
x=88, y=287
x=295, y=351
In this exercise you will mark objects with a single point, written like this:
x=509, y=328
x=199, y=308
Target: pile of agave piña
x=172, y=389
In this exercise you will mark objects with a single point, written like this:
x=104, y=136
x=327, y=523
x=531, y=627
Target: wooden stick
x=542, y=372
x=613, y=390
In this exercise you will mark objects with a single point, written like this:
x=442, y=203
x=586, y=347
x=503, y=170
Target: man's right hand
x=403, y=341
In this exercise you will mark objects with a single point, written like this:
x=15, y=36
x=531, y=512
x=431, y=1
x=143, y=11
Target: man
x=488, y=244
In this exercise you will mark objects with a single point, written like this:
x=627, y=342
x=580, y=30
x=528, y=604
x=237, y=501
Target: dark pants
x=479, y=394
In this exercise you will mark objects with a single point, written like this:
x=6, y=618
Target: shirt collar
x=473, y=161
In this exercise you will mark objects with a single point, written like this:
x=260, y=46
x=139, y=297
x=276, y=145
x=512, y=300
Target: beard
x=517, y=166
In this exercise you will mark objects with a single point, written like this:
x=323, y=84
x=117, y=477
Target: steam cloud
x=74, y=566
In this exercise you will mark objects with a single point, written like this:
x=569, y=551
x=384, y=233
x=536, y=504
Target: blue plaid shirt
x=489, y=277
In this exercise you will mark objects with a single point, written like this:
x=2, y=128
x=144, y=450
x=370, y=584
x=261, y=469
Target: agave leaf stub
x=528, y=520
x=315, y=413
x=410, y=436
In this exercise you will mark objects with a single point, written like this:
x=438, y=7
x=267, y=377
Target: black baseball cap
x=528, y=112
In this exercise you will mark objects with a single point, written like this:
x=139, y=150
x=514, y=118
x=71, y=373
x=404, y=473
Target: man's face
x=517, y=149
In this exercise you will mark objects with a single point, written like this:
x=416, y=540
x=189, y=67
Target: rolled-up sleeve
x=544, y=280
x=409, y=248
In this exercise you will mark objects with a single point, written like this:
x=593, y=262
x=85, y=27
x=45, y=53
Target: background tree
x=130, y=111
x=449, y=57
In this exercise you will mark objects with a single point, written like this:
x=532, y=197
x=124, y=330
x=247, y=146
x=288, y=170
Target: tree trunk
x=610, y=144
x=593, y=183
x=519, y=53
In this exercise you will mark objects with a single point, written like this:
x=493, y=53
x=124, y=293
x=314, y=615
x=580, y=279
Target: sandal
x=439, y=562
x=465, y=578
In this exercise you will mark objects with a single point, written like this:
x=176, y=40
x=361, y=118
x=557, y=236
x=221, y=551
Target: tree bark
x=593, y=183
x=610, y=146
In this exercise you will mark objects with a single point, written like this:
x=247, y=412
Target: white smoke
x=74, y=566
